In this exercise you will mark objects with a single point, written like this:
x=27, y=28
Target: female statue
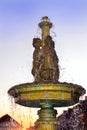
x=49, y=70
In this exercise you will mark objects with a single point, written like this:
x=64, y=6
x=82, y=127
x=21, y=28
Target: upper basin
x=59, y=94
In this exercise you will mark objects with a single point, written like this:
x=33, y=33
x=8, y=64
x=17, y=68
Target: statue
x=49, y=70
x=36, y=59
x=45, y=61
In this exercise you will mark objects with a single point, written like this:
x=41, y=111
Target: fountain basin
x=59, y=94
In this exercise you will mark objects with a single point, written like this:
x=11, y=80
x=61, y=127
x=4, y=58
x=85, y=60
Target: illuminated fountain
x=46, y=92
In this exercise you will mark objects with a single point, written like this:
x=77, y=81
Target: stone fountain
x=46, y=92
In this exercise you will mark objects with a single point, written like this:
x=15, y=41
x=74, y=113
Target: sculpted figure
x=36, y=59
x=49, y=69
x=45, y=61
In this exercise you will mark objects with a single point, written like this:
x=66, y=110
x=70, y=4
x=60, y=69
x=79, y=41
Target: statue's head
x=48, y=37
x=48, y=41
x=37, y=42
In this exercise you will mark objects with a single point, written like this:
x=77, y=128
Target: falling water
x=19, y=113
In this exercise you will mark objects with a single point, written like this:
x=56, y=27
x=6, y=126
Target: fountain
x=46, y=92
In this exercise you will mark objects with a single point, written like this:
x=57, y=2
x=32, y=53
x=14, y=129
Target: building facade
x=74, y=118
x=8, y=123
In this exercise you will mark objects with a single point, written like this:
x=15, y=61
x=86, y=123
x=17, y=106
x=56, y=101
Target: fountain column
x=47, y=117
x=45, y=26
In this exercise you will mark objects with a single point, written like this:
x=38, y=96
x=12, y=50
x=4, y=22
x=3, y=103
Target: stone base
x=47, y=117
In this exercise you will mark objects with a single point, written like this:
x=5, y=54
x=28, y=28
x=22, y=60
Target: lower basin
x=59, y=94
